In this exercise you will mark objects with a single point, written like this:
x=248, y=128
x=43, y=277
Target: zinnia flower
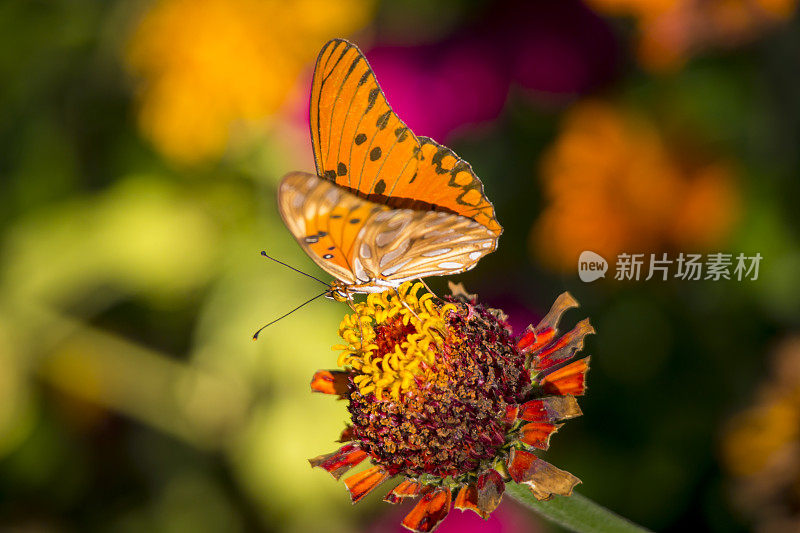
x=441, y=395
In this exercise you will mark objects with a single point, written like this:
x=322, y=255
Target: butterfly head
x=338, y=292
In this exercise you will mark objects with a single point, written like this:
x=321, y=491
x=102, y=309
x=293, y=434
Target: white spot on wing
x=366, y=252
x=434, y=253
x=297, y=201
x=385, y=237
x=358, y=270
x=332, y=196
x=475, y=255
x=392, y=270
x=394, y=254
x=450, y=265
x=384, y=215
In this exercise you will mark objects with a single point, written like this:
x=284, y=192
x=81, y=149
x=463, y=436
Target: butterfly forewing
x=361, y=144
x=326, y=221
x=448, y=182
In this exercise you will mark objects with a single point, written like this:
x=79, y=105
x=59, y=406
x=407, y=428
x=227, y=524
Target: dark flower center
x=453, y=421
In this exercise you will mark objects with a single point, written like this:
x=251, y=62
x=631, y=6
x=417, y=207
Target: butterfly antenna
x=293, y=268
x=255, y=335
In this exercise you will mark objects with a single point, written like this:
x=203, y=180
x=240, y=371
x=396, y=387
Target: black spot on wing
x=330, y=175
x=380, y=187
x=373, y=96
x=383, y=120
x=341, y=56
x=437, y=160
x=353, y=65
x=398, y=202
x=341, y=169
x=401, y=133
x=375, y=153
x=360, y=138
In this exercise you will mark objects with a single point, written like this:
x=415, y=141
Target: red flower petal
x=543, y=479
x=362, y=483
x=405, y=489
x=511, y=413
x=467, y=498
x=562, y=349
x=490, y=491
x=545, y=331
x=570, y=379
x=347, y=434
x=331, y=382
x=537, y=434
x=340, y=461
x=429, y=512
x=550, y=409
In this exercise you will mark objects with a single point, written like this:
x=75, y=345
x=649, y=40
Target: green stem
x=575, y=512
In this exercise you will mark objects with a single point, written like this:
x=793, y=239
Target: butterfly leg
x=428, y=288
x=360, y=324
x=442, y=333
x=400, y=298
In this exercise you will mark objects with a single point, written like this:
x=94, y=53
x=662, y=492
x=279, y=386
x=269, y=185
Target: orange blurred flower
x=205, y=65
x=672, y=30
x=614, y=185
x=761, y=447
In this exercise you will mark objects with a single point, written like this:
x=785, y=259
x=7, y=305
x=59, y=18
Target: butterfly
x=385, y=206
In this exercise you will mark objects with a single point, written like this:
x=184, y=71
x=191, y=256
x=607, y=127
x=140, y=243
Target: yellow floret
x=393, y=373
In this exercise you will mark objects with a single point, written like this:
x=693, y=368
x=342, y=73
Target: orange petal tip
x=429, y=512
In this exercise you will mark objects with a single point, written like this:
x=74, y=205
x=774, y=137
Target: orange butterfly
x=385, y=206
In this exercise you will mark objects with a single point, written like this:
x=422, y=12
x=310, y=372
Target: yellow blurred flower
x=761, y=447
x=204, y=66
x=614, y=185
x=672, y=30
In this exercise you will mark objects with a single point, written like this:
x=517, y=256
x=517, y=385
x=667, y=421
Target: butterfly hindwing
x=401, y=244
x=361, y=242
x=325, y=220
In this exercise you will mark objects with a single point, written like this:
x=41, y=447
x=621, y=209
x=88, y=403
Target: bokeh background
x=140, y=147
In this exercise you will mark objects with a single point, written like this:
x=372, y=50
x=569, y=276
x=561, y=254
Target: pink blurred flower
x=436, y=89
x=508, y=518
x=557, y=48
x=554, y=50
